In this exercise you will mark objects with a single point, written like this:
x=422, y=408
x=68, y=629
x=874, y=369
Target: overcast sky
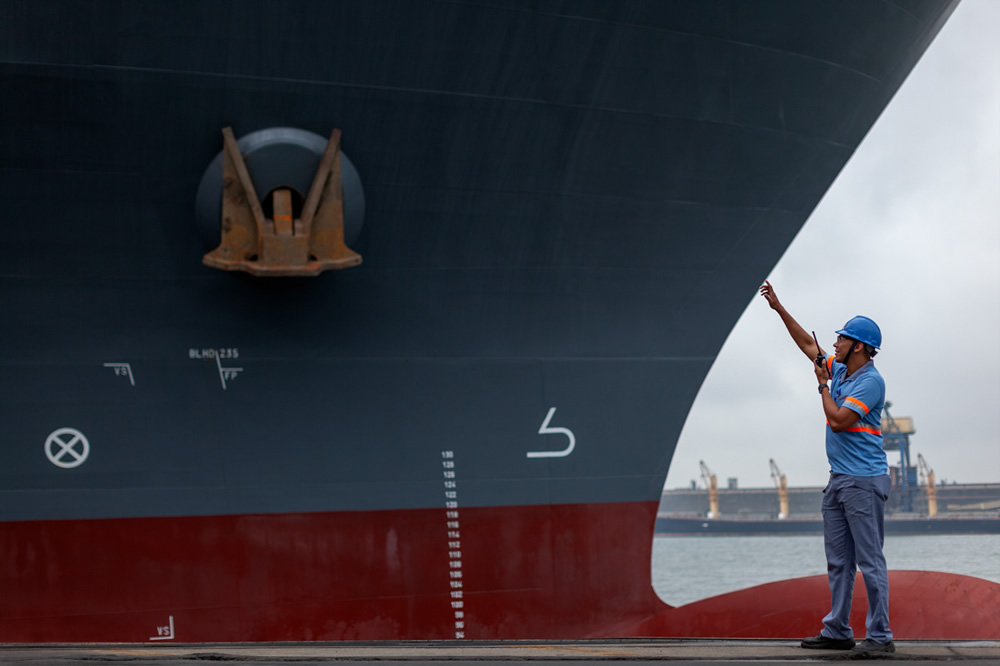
x=924, y=190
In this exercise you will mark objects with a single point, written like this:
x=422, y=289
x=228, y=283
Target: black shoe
x=872, y=647
x=821, y=642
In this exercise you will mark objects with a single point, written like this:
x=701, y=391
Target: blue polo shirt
x=858, y=450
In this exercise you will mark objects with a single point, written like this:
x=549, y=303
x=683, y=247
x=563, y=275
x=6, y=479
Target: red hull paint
x=561, y=571
x=922, y=605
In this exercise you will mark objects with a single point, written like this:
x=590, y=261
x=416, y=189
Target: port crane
x=896, y=434
x=927, y=478
x=711, y=482
x=781, y=483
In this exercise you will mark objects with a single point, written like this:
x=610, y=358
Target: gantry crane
x=896, y=437
x=713, y=489
x=927, y=477
x=781, y=483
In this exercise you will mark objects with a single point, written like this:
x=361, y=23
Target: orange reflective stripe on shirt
x=858, y=403
x=872, y=431
x=829, y=364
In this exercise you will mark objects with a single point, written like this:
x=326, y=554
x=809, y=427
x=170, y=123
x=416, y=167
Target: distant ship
x=679, y=525
x=547, y=217
x=929, y=509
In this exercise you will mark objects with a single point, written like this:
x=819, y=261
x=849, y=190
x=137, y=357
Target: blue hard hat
x=863, y=330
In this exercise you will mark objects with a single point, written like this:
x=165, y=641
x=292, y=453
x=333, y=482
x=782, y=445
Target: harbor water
x=686, y=569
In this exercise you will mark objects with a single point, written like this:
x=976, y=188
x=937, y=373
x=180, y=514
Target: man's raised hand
x=767, y=291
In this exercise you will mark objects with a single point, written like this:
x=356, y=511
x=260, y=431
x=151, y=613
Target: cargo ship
x=380, y=320
x=675, y=524
x=681, y=525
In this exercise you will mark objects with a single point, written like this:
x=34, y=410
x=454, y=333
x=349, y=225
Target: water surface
x=686, y=569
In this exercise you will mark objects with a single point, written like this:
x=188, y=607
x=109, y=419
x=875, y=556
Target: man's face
x=841, y=348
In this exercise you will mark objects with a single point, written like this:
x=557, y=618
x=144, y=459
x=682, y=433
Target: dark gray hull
x=567, y=207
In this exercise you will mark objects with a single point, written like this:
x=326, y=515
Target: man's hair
x=871, y=351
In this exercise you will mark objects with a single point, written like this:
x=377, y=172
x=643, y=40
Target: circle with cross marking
x=67, y=448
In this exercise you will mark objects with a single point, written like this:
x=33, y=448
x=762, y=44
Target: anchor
x=283, y=245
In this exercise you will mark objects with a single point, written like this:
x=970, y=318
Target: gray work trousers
x=853, y=532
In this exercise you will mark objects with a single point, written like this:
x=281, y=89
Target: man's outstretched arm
x=803, y=339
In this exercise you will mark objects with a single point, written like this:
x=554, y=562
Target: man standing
x=854, y=498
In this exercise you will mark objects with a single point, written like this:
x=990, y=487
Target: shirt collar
x=860, y=371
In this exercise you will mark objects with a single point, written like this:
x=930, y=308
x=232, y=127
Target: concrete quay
x=640, y=650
